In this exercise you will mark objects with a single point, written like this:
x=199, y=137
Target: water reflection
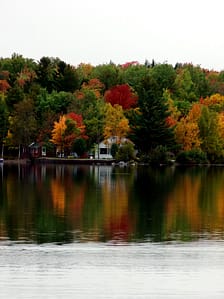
x=67, y=203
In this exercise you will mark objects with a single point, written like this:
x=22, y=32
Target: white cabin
x=103, y=149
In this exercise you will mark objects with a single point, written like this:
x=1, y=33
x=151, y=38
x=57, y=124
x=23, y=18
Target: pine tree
x=150, y=128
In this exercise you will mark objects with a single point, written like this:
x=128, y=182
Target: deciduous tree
x=23, y=124
x=108, y=74
x=116, y=124
x=211, y=140
x=58, y=133
x=95, y=86
x=66, y=130
x=121, y=95
x=187, y=130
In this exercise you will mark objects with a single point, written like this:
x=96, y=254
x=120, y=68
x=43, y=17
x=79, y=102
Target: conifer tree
x=150, y=128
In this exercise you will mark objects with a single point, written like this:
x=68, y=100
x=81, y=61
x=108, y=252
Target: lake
x=79, y=231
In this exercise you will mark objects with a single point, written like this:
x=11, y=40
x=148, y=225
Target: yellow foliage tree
x=174, y=112
x=187, y=130
x=116, y=124
x=221, y=125
x=215, y=101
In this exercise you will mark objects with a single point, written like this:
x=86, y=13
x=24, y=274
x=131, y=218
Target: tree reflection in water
x=67, y=203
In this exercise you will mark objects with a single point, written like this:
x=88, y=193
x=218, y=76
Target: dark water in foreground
x=110, y=232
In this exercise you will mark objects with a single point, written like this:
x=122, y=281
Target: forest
x=156, y=110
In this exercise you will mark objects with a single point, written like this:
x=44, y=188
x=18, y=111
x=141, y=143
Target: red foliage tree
x=79, y=123
x=130, y=63
x=4, y=86
x=121, y=95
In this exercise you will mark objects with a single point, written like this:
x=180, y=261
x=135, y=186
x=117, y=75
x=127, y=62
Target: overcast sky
x=97, y=31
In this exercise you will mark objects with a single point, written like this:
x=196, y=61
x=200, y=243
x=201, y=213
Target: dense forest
x=160, y=110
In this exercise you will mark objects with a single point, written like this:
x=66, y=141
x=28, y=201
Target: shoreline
x=86, y=161
x=59, y=161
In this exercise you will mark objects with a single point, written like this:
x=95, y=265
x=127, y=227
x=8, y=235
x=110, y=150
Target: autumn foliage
x=116, y=124
x=53, y=103
x=4, y=86
x=121, y=95
x=66, y=130
x=187, y=129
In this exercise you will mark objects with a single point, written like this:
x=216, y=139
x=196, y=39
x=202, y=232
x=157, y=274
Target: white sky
x=97, y=31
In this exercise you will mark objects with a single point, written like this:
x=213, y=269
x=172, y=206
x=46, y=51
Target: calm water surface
x=111, y=232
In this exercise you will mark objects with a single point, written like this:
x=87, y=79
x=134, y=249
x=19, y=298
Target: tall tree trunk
x=19, y=153
x=2, y=154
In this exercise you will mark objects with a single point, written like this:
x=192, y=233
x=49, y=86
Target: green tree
x=79, y=146
x=126, y=152
x=93, y=112
x=57, y=102
x=3, y=122
x=114, y=149
x=47, y=71
x=184, y=86
x=211, y=141
x=66, y=78
x=23, y=124
x=199, y=79
x=150, y=128
x=108, y=74
x=15, y=65
x=45, y=123
x=14, y=96
x=133, y=75
x=84, y=71
x=165, y=75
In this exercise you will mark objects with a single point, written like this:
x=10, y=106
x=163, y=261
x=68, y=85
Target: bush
x=194, y=156
x=126, y=152
x=216, y=158
x=159, y=155
x=79, y=146
x=114, y=149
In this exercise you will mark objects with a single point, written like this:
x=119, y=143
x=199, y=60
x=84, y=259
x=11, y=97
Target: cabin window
x=43, y=151
x=103, y=151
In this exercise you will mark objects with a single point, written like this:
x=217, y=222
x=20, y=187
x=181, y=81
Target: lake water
x=111, y=232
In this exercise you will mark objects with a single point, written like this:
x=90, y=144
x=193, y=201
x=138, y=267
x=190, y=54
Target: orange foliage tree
x=66, y=130
x=94, y=85
x=58, y=133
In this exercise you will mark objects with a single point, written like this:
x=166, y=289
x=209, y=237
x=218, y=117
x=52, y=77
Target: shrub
x=114, y=149
x=194, y=156
x=159, y=155
x=79, y=146
x=126, y=152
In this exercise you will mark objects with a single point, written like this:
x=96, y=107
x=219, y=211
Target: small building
x=37, y=150
x=103, y=149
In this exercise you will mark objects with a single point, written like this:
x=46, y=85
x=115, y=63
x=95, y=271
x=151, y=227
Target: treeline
x=161, y=110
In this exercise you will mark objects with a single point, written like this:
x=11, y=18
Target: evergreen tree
x=150, y=129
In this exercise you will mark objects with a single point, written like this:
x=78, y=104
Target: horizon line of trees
x=160, y=108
